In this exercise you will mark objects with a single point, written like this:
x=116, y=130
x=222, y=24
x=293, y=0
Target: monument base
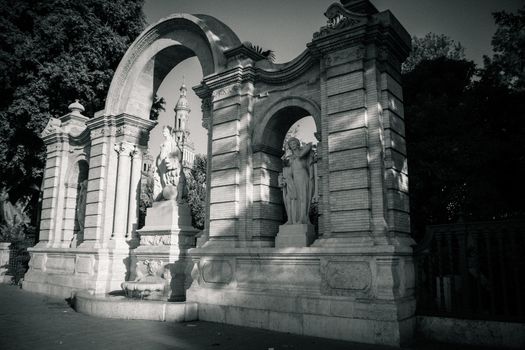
x=165, y=240
x=357, y=294
x=295, y=235
x=63, y=271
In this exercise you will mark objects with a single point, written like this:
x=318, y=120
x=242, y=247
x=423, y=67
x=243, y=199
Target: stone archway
x=269, y=134
x=358, y=275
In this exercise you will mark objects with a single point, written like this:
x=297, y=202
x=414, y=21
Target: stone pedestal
x=295, y=235
x=165, y=240
x=167, y=216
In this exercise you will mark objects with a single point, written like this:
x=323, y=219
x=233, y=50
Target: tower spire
x=182, y=111
x=180, y=131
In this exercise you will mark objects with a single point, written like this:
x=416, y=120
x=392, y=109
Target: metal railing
x=472, y=270
x=19, y=258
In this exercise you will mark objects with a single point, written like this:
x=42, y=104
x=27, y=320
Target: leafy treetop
x=51, y=53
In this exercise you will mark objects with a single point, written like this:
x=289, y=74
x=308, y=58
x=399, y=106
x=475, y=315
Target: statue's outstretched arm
x=305, y=150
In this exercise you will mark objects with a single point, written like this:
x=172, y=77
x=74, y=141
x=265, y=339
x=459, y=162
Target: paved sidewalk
x=35, y=321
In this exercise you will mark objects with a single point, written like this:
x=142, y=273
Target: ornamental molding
x=284, y=73
x=53, y=126
x=345, y=55
x=155, y=240
x=338, y=19
x=233, y=89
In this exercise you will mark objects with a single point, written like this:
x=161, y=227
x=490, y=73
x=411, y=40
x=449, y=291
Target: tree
x=507, y=66
x=464, y=140
x=197, y=191
x=147, y=185
x=268, y=55
x=430, y=47
x=52, y=52
x=441, y=139
x=157, y=107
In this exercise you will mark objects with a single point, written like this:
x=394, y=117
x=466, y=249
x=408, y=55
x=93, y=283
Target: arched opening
x=184, y=116
x=158, y=50
x=282, y=121
x=75, y=204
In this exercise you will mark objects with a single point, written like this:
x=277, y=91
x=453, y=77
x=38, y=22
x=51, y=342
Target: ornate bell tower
x=182, y=111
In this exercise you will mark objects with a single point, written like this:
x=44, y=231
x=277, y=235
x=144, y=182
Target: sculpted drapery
x=297, y=181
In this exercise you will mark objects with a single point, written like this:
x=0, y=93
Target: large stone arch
x=158, y=50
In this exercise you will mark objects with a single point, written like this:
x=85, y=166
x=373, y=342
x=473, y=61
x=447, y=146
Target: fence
x=19, y=257
x=472, y=270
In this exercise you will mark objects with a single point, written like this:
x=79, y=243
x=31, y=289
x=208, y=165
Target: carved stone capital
x=124, y=148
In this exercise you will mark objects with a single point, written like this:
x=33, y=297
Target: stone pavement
x=35, y=321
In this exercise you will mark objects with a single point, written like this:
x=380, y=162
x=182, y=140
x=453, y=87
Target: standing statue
x=297, y=181
x=169, y=178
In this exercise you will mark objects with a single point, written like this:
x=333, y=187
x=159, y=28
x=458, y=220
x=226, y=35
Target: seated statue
x=169, y=178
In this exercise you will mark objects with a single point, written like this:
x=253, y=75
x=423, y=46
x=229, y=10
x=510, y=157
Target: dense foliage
x=430, y=47
x=51, y=53
x=464, y=134
x=197, y=191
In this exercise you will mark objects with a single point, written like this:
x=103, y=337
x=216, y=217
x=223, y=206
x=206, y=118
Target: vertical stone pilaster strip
x=207, y=122
x=100, y=198
x=245, y=223
x=68, y=229
x=120, y=215
x=376, y=155
x=52, y=184
x=59, y=200
x=225, y=167
x=134, y=191
x=324, y=219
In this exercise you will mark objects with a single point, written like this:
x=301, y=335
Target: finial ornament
x=76, y=108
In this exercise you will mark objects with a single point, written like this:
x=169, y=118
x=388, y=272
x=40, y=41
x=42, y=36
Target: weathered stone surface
x=216, y=271
x=349, y=283
x=295, y=235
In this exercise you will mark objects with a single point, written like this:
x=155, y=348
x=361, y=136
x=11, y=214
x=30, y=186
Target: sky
x=285, y=26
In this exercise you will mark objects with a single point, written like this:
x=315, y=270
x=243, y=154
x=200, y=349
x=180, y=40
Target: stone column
x=134, y=192
x=120, y=216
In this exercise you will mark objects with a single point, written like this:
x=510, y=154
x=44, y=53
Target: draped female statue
x=297, y=181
